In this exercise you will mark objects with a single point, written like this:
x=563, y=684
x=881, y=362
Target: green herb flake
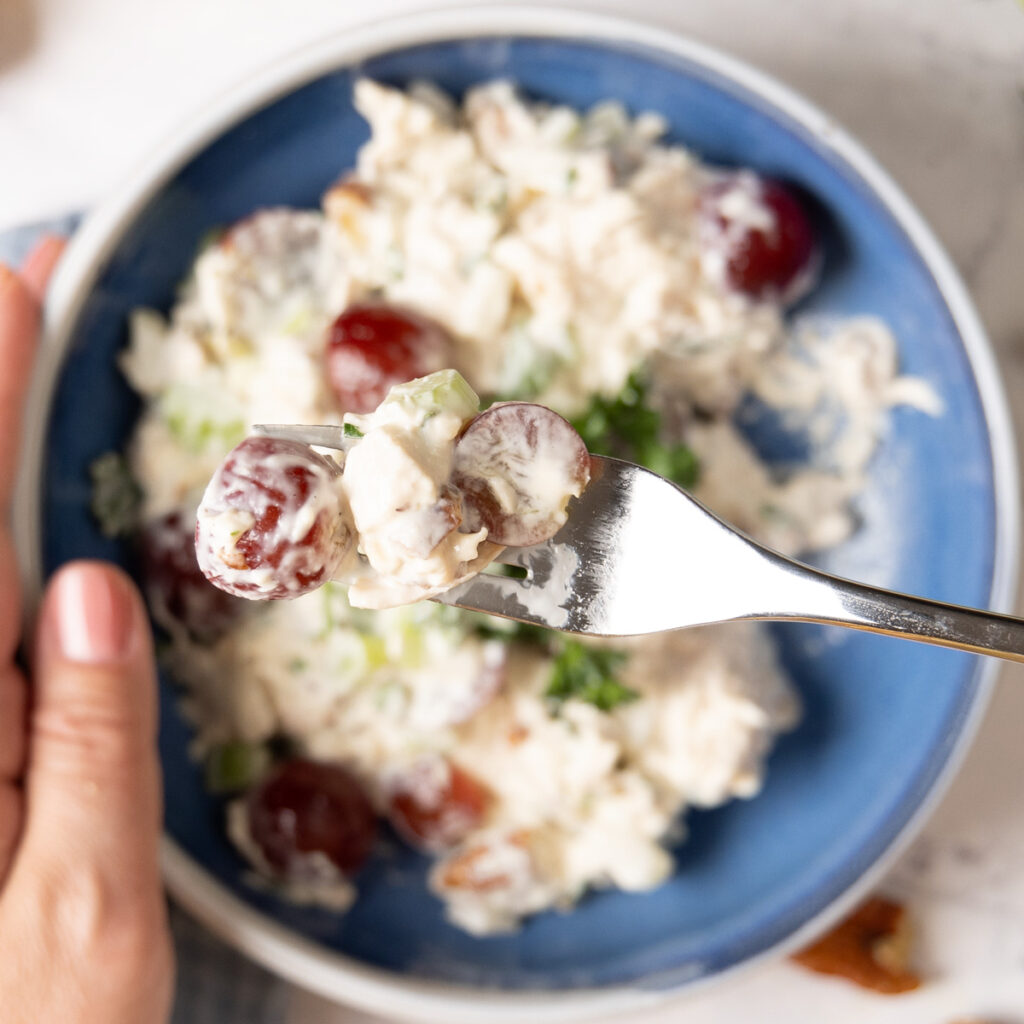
x=116, y=497
x=626, y=427
x=351, y=430
x=235, y=765
x=589, y=674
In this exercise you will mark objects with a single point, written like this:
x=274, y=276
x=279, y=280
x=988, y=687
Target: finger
x=92, y=776
x=10, y=825
x=10, y=596
x=13, y=701
x=39, y=264
x=19, y=326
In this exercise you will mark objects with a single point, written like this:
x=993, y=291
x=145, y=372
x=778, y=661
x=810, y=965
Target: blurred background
x=935, y=88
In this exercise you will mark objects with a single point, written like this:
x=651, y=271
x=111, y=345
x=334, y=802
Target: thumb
x=92, y=783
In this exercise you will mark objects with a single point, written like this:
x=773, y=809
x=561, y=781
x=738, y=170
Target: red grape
x=272, y=523
x=436, y=817
x=505, y=463
x=307, y=807
x=371, y=348
x=763, y=234
x=175, y=585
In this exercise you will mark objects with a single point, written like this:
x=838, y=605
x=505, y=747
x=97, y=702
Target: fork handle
x=816, y=596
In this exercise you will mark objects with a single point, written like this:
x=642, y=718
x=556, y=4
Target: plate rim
x=300, y=960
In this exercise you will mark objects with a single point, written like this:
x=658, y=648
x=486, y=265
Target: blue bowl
x=884, y=719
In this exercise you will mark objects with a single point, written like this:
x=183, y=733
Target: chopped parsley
x=116, y=496
x=578, y=671
x=626, y=427
x=351, y=430
x=589, y=674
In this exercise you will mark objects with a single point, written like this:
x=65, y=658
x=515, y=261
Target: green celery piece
x=443, y=391
x=235, y=765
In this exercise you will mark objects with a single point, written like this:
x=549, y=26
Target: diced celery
x=529, y=367
x=423, y=398
x=300, y=322
x=413, y=646
x=235, y=765
x=196, y=418
x=374, y=651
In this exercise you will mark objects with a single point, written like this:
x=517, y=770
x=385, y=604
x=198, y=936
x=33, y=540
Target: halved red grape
x=517, y=465
x=273, y=523
x=304, y=807
x=371, y=348
x=438, y=816
x=763, y=234
x=175, y=585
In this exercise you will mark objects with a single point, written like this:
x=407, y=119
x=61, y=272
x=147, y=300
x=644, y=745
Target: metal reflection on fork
x=639, y=555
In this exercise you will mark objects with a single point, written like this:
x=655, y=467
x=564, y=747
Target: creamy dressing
x=561, y=250
x=397, y=479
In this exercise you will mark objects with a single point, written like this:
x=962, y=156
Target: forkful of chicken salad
x=430, y=497
x=418, y=496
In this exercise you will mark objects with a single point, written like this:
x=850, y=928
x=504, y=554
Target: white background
x=934, y=87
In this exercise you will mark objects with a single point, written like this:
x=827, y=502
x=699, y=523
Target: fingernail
x=95, y=614
x=7, y=277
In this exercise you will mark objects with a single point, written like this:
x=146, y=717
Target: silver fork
x=640, y=555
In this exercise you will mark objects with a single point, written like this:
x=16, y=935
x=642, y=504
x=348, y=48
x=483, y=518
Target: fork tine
x=321, y=436
x=498, y=595
x=521, y=557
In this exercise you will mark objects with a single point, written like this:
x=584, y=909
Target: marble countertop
x=934, y=87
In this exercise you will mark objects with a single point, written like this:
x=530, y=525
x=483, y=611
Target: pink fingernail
x=94, y=613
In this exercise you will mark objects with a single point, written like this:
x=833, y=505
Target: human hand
x=83, y=924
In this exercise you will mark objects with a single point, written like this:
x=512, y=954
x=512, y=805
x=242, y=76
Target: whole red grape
x=304, y=807
x=763, y=234
x=370, y=348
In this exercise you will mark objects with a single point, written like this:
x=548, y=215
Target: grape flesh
x=517, y=464
x=273, y=523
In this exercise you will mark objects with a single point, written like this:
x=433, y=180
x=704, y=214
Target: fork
x=640, y=555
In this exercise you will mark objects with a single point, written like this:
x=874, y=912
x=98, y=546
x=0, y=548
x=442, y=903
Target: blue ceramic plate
x=885, y=719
